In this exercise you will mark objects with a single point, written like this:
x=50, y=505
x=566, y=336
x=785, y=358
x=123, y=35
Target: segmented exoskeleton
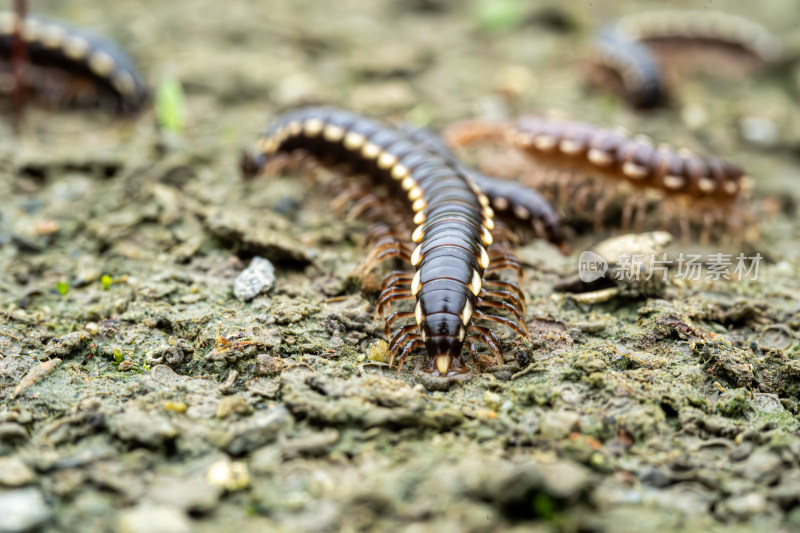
x=512, y=201
x=454, y=225
x=628, y=52
x=70, y=65
x=710, y=185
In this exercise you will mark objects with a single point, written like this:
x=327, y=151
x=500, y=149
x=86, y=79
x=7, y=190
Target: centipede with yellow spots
x=630, y=55
x=703, y=186
x=69, y=65
x=453, y=243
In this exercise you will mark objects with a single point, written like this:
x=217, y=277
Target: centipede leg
x=380, y=233
x=509, y=264
x=708, y=224
x=395, y=316
x=504, y=295
x=401, y=333
x=600, y=211
x=507, y=285
x=369, y=201
x=520, y=329
x=511, y=309
x=627, y=216
x=410, y=346
x=487, y=337
x=580, y=198
x=396, y=277
x=387, y=297
x=641, y=209
x=345, y=197
x=382, y=252
x=685, y=229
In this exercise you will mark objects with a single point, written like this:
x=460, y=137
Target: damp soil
x=138, y=394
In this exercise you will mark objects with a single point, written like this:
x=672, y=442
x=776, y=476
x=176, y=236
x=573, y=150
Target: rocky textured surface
x=138, y=394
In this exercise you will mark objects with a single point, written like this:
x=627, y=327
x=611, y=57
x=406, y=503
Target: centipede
x=69, y=66
x=514, y=203
x=454, y=253
x=631, y=55
x=713, y=189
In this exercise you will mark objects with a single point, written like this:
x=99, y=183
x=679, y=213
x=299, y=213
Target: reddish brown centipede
x=453, y=235
x=630, y=55
x=709, y=185
x=70, y=65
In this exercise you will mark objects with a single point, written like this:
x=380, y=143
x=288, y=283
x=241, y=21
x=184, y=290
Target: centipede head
x=444, y=336
x=250, y=164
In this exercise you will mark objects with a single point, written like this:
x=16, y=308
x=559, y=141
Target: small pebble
x=15, y=473
x=228, y=475
x=22, y=510
x=257, y=278
x=759, y=130
x=559, y=424
x=266, y=365
x=149, y=518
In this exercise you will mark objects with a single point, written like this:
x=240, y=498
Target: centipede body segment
x=65, y=64
x=453, y=241
x=513, y=202
x=711, y=187
x=630, y=54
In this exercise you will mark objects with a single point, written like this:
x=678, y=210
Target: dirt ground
x=137, y=394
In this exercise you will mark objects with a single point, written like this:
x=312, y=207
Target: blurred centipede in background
x=454, y=251
x=685, y=185
x=634, y=55
x=65, y=65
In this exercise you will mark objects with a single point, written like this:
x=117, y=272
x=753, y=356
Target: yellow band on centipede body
x=76, y=47
x=332, y=133
x=354, y=141
x=371, y=151
x=483, y=260
x=486, y=236
x=415, y=193
x=386, y=160
x=313, y=126
x=294, y=128
x=466, y=313
x=53, y=36
x=416, y=283
x=475, y=283
x=419, y=232
x=416, y=255
x=399, y=172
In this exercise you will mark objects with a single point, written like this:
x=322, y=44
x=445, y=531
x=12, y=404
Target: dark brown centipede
x=453, y=234
x=630, y=68
x=520, y=203
x=710, y=186
x=65, y=64
x=630, y=53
